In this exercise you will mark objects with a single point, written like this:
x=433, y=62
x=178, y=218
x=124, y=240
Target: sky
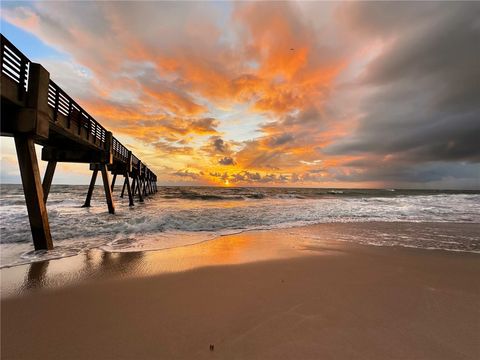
x=316, y=94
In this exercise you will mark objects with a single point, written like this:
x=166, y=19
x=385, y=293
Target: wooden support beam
x=129, y=191
x=51, y=153
x=139, y=189
x=33, y=191
x=134, y=185
x=47, y=179
x=124, y=184
x=113, y=181
x=142, y=187
x=90, y=188
x=108, y=189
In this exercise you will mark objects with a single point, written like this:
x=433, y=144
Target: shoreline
x=246, y=246
x=281, y=228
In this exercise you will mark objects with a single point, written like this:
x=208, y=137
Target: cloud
x=281, y=140
x=415, y=175
x=219, y=144
x=422, y=103
x=226, y=161
x=187, y=173
x=311, y=163
x=167, y=148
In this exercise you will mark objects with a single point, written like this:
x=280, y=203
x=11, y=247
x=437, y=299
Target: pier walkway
x=35, y=110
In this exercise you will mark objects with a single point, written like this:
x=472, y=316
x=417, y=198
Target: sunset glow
x=267, y=93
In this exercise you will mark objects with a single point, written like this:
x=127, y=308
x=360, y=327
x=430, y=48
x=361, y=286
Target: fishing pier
x=35, y=110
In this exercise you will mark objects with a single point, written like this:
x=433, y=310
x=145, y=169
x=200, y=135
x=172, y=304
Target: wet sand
x=257, y=295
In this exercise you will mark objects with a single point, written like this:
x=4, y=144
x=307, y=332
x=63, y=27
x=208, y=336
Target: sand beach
x=255, y=295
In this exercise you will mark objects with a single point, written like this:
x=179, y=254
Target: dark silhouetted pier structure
x=35, y=110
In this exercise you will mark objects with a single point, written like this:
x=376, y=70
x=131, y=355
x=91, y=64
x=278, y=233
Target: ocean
x=180, y=216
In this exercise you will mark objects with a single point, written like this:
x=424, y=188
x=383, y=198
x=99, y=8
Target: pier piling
x=33, y=190
x=93, y=180
x=108, y=189
x=129, y=191
x=124, y=184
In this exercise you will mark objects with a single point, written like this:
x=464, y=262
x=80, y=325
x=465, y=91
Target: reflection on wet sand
x=36, y=275
x=93, y=264
x=232, y=249
x=96, y=264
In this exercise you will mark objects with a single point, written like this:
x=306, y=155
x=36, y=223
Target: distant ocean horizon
x=184, y=215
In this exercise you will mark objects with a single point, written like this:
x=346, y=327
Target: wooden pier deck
x=35, y=110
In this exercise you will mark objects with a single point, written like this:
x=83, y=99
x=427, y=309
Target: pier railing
x=71, y=116
x=15, y=65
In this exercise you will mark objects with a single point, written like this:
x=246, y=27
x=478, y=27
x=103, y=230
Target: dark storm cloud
x=424, y=102
x=398, y=174
x=445, y=54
